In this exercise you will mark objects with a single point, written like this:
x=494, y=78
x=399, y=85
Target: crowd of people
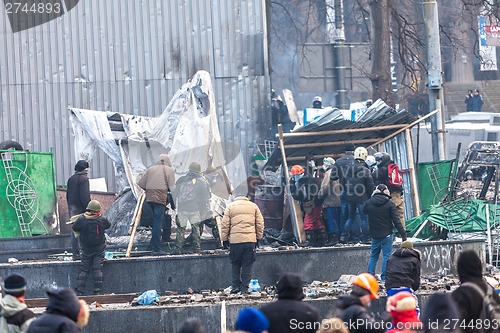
x=469, y=308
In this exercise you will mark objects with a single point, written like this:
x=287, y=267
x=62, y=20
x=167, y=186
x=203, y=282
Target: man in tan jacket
x=242, y=228
x=158, y=180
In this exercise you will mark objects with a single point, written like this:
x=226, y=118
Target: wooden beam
x=344, y=131
x=406, y=127
x=293, y=206
x=327, y=144
x=413, y=176
x=135, y=222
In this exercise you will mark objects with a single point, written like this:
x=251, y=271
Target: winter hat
x=290, y=287
x=252, y=321
x=14, y=283
x=406, y=245
x=440, y=309
x=194, y=167
x=382, y=189
x=81, y=165
x=65, y=302
x=469, y=266
x=350, y=146
x=402, y=301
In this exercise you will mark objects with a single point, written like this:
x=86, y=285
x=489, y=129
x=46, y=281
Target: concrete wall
x=200, y=272
x=168, y=319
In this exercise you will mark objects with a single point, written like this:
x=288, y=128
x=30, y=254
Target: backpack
x=490, y=312
x=191, y=190
x=394, y=178
x=92, y=234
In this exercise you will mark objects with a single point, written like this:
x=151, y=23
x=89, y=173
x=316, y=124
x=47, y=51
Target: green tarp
x=457, y=216
x=433, y=182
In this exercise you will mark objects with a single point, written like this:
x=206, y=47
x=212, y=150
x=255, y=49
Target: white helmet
x=317, y=99
x=370, y=160
x=360, y=153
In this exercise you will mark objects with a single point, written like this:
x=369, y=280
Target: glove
x=257, y=244
x=225, y=245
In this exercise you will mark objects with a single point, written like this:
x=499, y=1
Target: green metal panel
x=433, y=182
x=27, y=193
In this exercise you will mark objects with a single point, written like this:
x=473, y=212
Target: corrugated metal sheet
x=131, y=57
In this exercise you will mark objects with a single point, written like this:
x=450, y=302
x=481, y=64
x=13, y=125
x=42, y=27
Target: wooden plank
x=103, y=299
x=344, y=131
x=292, y=108
x=327, y=144
x=136, y=220
x=405, y=128
x=413, y=176
x=298, y=226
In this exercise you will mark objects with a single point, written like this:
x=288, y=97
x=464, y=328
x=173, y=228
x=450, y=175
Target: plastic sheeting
x=457, y=216
x=187, y=130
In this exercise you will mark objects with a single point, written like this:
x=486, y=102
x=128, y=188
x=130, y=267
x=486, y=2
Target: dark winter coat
x=477, y=103
x=381, y=176
x=192, y=193
x=91, y=232
x=307, y=189
x=357, y=181
x=382, y=216
x=356, y=316
x=290, y=309
x=341, y=166
x=61, y=314
x=78, y=193
x=403, y=269
x=468, y=102
x=469, y=301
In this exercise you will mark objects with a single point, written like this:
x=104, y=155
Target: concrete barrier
x=169, y=318
x=200, y=272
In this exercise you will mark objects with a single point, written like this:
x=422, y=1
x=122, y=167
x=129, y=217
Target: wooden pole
x=327, y=144
x=404, y=128
x=413, y=176
x=344, y=131
x=135, y=220
x=293, y=211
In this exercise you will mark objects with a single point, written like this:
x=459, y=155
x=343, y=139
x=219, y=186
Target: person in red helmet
x=403, y=309
x=306, y=190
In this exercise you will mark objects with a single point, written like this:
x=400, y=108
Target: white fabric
x=187, y=130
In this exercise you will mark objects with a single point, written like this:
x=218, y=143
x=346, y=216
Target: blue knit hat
x=252, y=321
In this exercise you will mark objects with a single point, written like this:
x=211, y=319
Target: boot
x=319, y=238
x=333, y=239
x=309, y=238
x=343, y=239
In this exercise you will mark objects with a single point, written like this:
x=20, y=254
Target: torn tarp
x=187, y=130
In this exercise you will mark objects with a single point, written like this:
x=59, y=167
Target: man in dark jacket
x=469, y=301
x=289, y=313
x=353, y=308
x=358, y=185
x=382, y=218
x=477, y=101
x=381, y=176
x=90, y=227
x=192, y=193
x=403, y=269
x=468, y=101
x=78, y=197
x=64, y=313
x=339, y=169
x=14, y=314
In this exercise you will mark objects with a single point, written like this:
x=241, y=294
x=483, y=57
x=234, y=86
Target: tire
x=9, y=144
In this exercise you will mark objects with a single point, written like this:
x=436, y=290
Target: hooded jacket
x=289, y=314
x=382, y=175
x=192, y=193
x=61, y=313
x=469, y=301
x=382, y=216
x=405, y=322
x=439, y=311
x=155, y=180
x=14, y=315
x=358, y=182
x=403, y=269
x=356, y=316
x=78, y=193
